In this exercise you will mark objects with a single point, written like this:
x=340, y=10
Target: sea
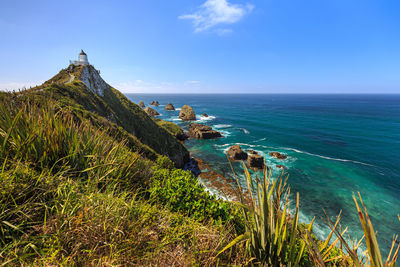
x=337, y=146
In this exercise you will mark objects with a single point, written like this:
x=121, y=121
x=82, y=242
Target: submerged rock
x=141, y=104
x=187, y=113
x=278, y=155
x=255, y=161
x=280, y=166
x=201, y=131
x=151, y=112
x=236, y=153
x=169, y=106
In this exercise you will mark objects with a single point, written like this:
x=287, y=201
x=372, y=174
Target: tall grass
x=71, y=194
x=274, y=237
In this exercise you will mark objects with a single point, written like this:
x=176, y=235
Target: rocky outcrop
x=187, y=113
x=169, y=106
x=255, y=161
x=204, y=115
x=236, y=153
x=154, y=103
x=201, y=131
x=93, y=81
x=141, y=104
x=280, y=166
x=151, y=112
x=278, y=155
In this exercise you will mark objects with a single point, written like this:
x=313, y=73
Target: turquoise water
x=337, y=145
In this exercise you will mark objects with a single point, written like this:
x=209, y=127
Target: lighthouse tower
x=82, y=61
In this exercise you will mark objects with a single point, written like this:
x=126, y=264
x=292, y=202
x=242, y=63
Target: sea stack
x=151, y=112
x=154, y=103
x=278, y=155
x=201, y=131
x=169, y=106
x=141, y=104
x=236, y=153
x=187, y=113
x=255, y=161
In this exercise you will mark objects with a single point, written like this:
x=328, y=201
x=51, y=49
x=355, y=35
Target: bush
x=181, y=191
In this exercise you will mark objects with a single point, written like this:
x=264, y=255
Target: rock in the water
x=151, y=112
x=236, y=153
x=169, y=106
x=255, y=161
x=187, y=113
x=251, y=151
x=201, y=131
x=204, y=115
x=141, y=104
x=154, y=103
x=278, y=155
x=280, y=166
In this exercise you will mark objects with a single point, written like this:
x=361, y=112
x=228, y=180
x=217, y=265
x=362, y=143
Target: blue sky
x=207, y=46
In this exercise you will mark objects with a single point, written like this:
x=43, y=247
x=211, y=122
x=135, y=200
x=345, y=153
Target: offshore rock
x=154, y=103
x=201, y=131
x=169, y=106
x=236, y=153
x=187, y=113
x=251, y=151
x=278, y=155
x=141, y=104
x=255, y=161
x=204, y=115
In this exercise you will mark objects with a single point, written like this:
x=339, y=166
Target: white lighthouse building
x=83, y=60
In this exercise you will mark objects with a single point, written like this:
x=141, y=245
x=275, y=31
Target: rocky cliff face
x=92, y=79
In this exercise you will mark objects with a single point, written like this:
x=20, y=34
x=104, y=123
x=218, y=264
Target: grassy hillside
x=86, y=178
x=116, y=108
x=77, y=189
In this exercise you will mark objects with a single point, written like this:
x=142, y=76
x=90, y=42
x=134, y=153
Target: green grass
x=89, y=180
x=72, y=193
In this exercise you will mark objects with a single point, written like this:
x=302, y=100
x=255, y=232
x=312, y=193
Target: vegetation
x=87, y=180
x=71, y=193
x=274, y=238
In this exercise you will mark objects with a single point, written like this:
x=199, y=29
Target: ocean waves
x=325, y=157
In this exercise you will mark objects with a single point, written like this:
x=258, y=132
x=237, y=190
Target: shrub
x=181, y=191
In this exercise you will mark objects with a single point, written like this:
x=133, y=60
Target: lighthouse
x=82, y=60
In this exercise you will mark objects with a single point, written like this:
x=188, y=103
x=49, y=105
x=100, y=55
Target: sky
x=207, y=46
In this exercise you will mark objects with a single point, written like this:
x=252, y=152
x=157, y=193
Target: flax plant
x=272, y=235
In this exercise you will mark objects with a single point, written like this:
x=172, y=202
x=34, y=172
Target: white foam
x=225, y=133
x=325, y=157
x=204, y=119
x=219, y=126
x=260, y=140
x=224, y=145
x=175, y=118
x=178, y=109
x=244, y=130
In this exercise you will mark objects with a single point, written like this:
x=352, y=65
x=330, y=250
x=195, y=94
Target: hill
x=87, y=177
x=82, y=86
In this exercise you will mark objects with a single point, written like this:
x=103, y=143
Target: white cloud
x=214, y=13
x=192, y=82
